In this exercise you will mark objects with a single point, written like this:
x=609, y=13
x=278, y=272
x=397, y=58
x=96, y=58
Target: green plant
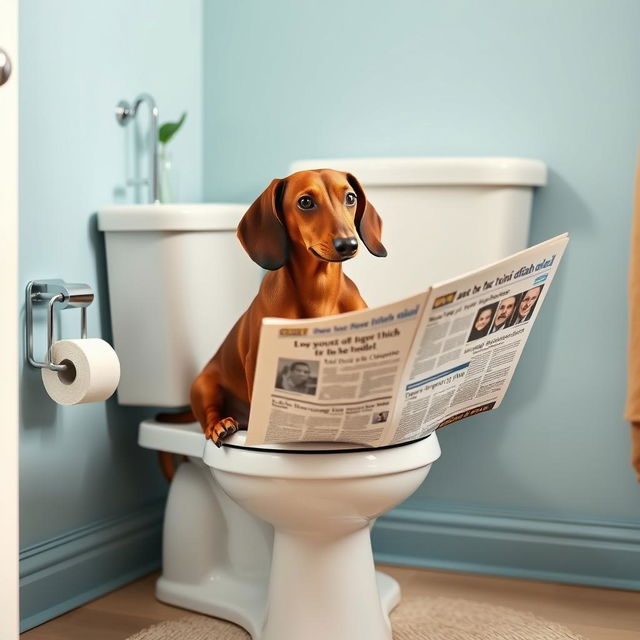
x=169, y=129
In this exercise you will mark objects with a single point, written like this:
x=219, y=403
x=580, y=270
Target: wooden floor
x=596, y=614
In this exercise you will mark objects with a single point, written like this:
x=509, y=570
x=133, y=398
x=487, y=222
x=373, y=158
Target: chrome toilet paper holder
x=65, y=296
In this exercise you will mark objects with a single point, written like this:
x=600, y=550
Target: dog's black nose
x=346, y=246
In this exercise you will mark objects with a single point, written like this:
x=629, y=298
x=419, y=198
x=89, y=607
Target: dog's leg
x=250, y=371
x=207, y=401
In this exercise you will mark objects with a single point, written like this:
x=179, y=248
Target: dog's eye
x=350, y=199
x=306, y=203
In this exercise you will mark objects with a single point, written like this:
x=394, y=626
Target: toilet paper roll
x=92, y=374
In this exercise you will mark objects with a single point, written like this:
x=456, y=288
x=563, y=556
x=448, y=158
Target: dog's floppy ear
x=368, y=222
x=261, y=230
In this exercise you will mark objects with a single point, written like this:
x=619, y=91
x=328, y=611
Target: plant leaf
x=169, y=129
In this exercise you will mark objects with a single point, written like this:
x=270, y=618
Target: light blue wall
x=81, y=465
x=541, y=79
x=268, y=82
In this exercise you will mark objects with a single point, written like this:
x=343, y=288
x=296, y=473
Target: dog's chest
x=286, y=297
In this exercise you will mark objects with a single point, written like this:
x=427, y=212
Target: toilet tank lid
x=171, y=217
x=435, y=170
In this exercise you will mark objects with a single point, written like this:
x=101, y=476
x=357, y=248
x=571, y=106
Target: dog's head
x=318, y=212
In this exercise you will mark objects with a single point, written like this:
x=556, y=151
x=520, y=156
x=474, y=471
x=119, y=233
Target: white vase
x=167, y=177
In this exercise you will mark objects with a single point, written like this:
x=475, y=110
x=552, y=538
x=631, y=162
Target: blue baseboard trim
x=68, y=571
x=516, y=546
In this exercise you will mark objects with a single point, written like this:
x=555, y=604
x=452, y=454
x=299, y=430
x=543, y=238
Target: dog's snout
x=346, y=246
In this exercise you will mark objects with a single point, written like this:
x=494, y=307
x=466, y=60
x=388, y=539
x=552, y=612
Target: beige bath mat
x=415, y=619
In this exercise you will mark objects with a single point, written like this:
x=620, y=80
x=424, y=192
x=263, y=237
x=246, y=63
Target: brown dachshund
x=301, y=229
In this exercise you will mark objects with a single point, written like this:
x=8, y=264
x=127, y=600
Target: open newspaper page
x=398, y=372
x=470, y=339
x=333, y=378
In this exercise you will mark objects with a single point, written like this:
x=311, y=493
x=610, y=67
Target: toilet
x=276, y=538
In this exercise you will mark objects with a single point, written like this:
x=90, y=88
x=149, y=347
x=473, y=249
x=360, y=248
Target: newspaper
x=396, y=373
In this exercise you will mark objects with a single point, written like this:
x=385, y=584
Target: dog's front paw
x=221, y=429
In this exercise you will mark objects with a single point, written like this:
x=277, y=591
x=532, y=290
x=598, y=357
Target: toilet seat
x=187, y=439
x=310, y=459
x=237, y=442
x=184, y=439
x=307, y=461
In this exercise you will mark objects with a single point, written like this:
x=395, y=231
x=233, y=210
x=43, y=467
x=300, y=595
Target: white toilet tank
x=178, y=281
x=441, y=217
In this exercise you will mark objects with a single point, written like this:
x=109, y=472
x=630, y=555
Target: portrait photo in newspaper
x=526, y=305
x=482, y=322
x=504, y=313
x=299, y=376
x=379, y=416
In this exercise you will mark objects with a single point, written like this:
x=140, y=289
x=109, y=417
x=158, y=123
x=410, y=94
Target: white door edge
x=9, y=315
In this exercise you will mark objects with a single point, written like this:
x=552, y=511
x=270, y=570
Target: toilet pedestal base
x=244, y=602
x=323, y=585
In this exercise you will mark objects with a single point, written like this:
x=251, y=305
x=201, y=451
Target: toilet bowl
x=277, y=538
